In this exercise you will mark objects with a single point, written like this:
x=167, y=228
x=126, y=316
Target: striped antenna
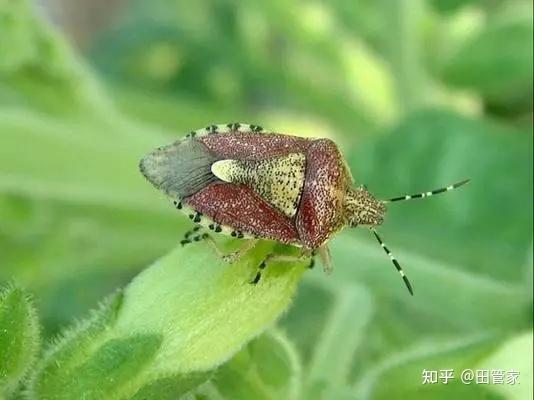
x=394, y=261
x=428, y=194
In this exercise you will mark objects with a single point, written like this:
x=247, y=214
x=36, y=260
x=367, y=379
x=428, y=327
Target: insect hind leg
x=257, y=277
x=233, y=256
x=283, y=258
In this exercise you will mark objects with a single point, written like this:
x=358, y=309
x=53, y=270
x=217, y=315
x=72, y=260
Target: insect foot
x=257, y=277
x=230, y=258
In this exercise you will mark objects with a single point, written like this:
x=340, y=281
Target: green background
x=418, y=94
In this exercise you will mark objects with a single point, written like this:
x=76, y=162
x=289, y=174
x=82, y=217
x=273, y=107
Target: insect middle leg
x=326, y=259
x=235, y=255
x=283, y=258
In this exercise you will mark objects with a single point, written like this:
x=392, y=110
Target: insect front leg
x=326, y=259
x=283, y=258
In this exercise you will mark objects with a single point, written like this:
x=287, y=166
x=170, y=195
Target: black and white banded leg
x=188, y=237
x=430, y=193
x=283, y=258
x=394, y=260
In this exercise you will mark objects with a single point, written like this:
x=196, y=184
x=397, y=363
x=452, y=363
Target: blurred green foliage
x=417, y=93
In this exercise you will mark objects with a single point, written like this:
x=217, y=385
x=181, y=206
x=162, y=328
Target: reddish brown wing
x=320, y=211
x=241, y=208
x=254, y=146
x=319, y=214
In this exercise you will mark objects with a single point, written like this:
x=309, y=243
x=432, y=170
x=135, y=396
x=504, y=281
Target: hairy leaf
x=189, y=312
x=19, y=336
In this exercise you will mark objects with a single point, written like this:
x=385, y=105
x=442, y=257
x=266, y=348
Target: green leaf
x=16, y=43
x=446, y=298
x=110, y=370
x=38, y=67
x=72, y=348
x=402, y=373
x=515, y=354
x=19, y=337
x=171, y=388
x=450, y=6
x=189, y=312
x=343, y=332
x=497, y=62
x=403, y=48
x=308, y=315
x=192, y=292
x=268, y=368
x=60, y=165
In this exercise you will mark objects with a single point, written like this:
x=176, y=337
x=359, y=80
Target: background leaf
x=19, y=337
x=497, y=62
x=440, y=147
x=513, y=355
x=268, y=368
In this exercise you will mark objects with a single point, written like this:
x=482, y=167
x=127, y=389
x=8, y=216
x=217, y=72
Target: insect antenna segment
x=428, y=194
x=394, y=261
x=410, y=197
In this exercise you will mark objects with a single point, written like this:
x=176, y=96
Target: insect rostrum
x=239, y=180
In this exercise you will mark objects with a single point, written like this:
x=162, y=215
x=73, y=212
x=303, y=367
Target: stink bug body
x=241, y=181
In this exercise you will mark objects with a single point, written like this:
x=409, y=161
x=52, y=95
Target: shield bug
x=241, y=181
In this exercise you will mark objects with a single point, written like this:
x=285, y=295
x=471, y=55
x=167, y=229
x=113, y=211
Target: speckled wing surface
x=241, y=181
x=256, y=186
